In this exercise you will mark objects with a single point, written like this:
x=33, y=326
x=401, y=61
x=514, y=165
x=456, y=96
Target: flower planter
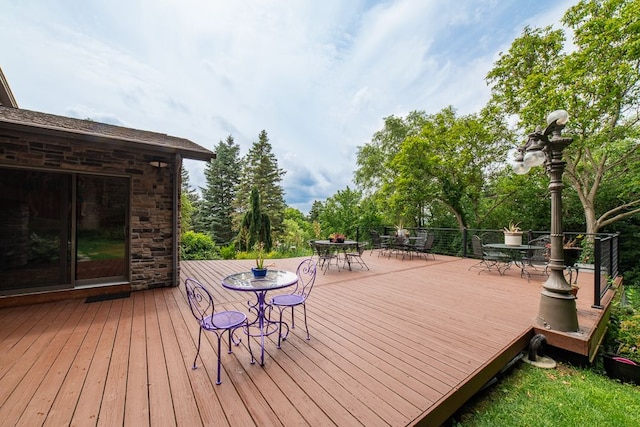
x=512, y=239
x=622, y=369
x=259, y=272
x=571, y=256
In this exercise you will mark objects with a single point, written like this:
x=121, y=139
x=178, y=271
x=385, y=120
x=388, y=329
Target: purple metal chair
x=201, y=304
x=306, y=277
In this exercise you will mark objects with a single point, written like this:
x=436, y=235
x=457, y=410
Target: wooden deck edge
x=44, y=297
x=442, y=410
x=588, y=345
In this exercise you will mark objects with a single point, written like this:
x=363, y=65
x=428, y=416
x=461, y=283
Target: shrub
x=197, y=246
x=228, y=252
x=623, y=335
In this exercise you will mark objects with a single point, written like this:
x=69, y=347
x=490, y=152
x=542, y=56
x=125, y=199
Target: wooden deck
x=405, y=343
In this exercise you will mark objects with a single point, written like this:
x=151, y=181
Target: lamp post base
x=558, y=311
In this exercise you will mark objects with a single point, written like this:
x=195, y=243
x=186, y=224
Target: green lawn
x=565, y=396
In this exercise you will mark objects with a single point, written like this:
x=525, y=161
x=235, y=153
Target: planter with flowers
x=513, y=234
x=337, y=237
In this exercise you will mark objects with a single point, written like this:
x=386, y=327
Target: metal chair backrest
x=376, y=240
x=476, y=245
x=200, y=300
x=361, y=247
x=539, y=249
x=428, y=243
x=306, y=273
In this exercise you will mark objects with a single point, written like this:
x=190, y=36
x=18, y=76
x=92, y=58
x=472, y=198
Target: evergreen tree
x=260, y=171
x=316, y=210
x=222, y=175
x=256, y=226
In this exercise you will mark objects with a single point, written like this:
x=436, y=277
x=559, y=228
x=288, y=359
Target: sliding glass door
x=61, y=230
x=101, y=228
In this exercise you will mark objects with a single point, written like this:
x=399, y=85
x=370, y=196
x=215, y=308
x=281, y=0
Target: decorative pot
x=259, y=272
x=512, y=238
x=571, y=256
x=621, y=368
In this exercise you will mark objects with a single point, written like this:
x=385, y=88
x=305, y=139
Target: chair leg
x=218, y=381
x=280, y=329
x=198, y=350
x=293, y=319
x=304, y=308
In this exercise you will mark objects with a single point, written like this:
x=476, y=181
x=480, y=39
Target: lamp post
x=544, y=147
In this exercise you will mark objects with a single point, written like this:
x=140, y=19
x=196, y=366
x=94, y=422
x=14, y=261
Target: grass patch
x=565, y=396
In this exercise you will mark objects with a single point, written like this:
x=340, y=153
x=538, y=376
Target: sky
x=318, y=76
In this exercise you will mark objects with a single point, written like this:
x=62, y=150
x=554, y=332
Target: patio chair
x=354, y=255
x=306, y=277
x=489, y=259
x=423, y=245
x=377, y=242
x=202, y=307
x=536, y=260
x=399, y=245
x=326, y=255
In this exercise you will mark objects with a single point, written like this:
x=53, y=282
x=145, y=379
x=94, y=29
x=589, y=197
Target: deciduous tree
x=596, y=78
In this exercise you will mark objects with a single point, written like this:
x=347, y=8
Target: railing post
x=464, y=242
x=597, y=259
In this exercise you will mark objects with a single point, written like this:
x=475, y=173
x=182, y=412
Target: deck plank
x=136, y=410
x=113, y=400
x=27, y=354
x=159, y=390
x=66, y=400
x=92, y=389
x=70, y=344
x=394, y=345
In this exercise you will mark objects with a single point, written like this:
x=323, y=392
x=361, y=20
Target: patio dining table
x=246, y=282
x=514, y=252
x=331, y=249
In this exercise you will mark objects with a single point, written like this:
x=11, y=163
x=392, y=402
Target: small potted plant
x=513, y=234
x=259, y=270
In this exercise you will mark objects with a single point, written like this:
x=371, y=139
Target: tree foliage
x=222, y=175
x=188, y=202
x=340, y=213
x=428, y=160
x=255, y=226
x=260, y=171
x=596, y=79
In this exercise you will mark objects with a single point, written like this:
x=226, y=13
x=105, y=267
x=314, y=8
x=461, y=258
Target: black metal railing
x=599, y=251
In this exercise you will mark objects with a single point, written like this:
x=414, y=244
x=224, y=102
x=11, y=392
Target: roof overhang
x=161, y=145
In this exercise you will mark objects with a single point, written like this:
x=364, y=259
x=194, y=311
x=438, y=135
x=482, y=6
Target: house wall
x=151, y=193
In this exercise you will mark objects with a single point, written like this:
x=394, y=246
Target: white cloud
x=319, y=77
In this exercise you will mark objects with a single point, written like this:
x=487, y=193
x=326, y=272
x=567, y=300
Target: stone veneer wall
x=151, y=206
